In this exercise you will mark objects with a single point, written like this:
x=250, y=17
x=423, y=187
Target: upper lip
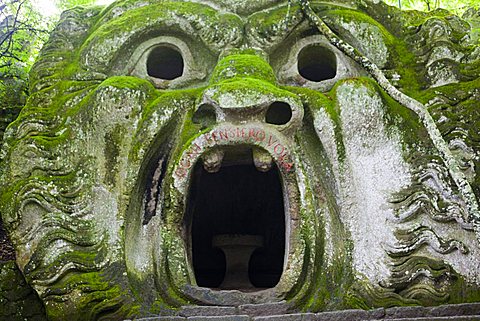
x=214, y=158
x=267, y=145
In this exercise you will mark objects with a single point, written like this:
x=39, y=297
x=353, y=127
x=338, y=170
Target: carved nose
x=243, y=89
x=275, y=112
x=249, y=100
x=278, y=113
x=205, y=115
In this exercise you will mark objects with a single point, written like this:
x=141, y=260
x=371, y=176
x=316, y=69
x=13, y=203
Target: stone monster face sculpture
x=222, y=153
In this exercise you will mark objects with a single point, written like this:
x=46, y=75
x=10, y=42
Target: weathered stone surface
x=354, y=315
x=188, y=311
x=163, y=318
x=455, y=310
x=453, y=318
x=266, y=309
x=220, y=318
x=288, y=317
x=467, y=311
x=406, y=312
x=154, y=127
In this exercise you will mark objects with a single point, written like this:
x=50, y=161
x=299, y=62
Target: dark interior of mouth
x=239, y=203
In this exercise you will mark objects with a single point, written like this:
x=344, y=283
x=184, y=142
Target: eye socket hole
x=205, y=115
x=317, y=63
x=278, y=113
x=165, y=62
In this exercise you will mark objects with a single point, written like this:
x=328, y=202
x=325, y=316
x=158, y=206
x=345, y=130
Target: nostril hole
x=317, y=63
x=278, y=113
x=165, y=62
x=205, y=115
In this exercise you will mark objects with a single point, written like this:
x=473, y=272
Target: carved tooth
x=262, y=159
x=212, y=160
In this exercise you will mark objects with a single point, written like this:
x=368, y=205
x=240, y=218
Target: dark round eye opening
x=278, y=113
x=317, y=63
x=165, y=62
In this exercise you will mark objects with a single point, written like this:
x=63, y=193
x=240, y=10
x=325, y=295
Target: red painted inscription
x=256, y=136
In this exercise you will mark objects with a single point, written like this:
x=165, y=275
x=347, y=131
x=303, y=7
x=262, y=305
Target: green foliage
x=23, y=30
x=455, y=6
x=67, y=4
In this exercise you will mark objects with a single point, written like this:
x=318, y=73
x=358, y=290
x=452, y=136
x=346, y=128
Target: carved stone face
x=177, y=153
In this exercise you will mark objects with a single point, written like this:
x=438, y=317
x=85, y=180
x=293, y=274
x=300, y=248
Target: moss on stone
x=243, y=65
x=400, y=58
x=116, y=32
x=348, y=15
x=100, y=296
x=248, y=91
x=316, y=100
x=454, y=91
x=268, y=22
x=128, y=82
x=174, y=105
x=364, y=295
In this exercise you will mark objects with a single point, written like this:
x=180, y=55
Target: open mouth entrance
x=237, y=227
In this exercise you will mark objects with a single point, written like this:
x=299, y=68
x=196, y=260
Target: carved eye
x=165, y=62
x=317, y=63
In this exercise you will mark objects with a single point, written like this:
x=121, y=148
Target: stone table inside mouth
x=237, y=249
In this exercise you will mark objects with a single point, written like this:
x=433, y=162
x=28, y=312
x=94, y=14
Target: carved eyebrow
x=215, y=30
x=268, y=28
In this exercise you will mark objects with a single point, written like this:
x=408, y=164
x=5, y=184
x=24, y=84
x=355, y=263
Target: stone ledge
x=449, y=318
x=455, y=309
x=188, y=311
x=264, y=309
x=288, y=317
x=278, y=312
x=220, y=318
x=350, y=315
x=159, y=319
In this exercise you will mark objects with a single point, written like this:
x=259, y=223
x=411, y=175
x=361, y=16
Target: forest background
x=26, y=24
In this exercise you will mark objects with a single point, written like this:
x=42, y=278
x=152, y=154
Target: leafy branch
x=455, y=6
